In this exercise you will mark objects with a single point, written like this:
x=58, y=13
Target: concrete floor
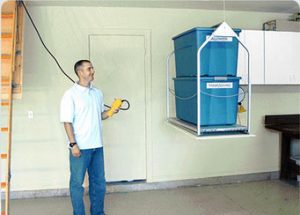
x=265, y=197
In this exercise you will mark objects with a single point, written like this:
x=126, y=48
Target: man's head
x=84, y=70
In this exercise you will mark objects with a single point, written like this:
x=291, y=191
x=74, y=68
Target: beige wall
x=40, y=157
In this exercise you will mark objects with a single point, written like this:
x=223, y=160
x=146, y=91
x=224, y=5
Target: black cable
x=54, y=58
x=124, y=100
x=128, y=104
x=49, y=52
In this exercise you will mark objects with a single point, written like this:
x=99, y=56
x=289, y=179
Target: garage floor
x=266, y=197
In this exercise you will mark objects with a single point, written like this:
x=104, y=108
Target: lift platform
x=222, y=31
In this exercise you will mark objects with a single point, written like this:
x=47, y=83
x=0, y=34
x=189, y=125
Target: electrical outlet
x=30, y=114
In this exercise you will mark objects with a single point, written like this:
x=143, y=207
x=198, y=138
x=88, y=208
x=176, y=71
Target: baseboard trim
x=142, y=186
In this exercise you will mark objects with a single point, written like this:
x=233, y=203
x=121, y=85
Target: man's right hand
x=75, y=151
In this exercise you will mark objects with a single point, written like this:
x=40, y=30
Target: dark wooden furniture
x=289, y=127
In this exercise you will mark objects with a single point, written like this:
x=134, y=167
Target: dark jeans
x=91, y=160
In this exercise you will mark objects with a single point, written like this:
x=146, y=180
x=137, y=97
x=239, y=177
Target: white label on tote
x=220, y=85
x=220, y=39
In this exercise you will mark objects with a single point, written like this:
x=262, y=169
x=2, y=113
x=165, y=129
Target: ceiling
x=283, y=6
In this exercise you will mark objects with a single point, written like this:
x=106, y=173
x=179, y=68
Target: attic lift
x=222, y=32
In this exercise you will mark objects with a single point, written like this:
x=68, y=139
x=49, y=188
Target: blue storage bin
x=219, y=100
x=217, y=58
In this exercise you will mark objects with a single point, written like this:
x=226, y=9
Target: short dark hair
x=78, y=64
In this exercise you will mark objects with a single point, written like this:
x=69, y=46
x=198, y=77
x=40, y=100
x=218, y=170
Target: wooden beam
x=5, y=103
x=3, y=156
x=7, y=15
x=18, y=71
x=4, y=129
x=9, y=48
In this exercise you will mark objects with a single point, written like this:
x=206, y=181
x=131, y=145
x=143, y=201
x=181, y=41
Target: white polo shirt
x=82, y=106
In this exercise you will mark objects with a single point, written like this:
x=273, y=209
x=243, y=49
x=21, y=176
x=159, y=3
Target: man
x=82, y=112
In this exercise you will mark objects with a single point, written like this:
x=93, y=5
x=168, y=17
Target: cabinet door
x=282, y=61
x=254, y=42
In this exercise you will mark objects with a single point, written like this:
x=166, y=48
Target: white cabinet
x=282, y=57
x=254, y=41
x=273, y=57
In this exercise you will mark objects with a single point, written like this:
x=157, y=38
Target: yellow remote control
x=115, y=106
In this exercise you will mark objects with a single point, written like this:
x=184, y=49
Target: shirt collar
x=83, y=89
